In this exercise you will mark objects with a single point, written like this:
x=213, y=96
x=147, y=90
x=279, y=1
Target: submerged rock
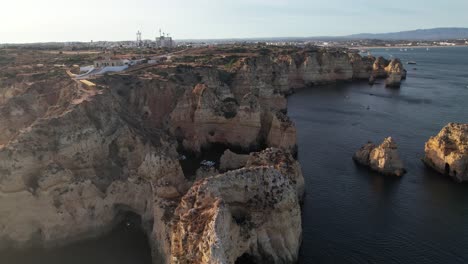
x=383, y=158
x=447, y=152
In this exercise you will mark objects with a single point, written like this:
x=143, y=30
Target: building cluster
x=161, y=41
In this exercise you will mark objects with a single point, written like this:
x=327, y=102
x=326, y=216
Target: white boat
x=208, y=163
x=412, y=62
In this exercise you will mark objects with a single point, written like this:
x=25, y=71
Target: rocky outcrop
x=75, y=174
x=282, y=133
x=383, y=158
x=231, y=161
x=379, y=68
x=242, y=107
x=248, y=214
x=447, y=152
x=210, y=115
x=284, y=162
x=362, y=66
x=76, y=159
x=395, y=73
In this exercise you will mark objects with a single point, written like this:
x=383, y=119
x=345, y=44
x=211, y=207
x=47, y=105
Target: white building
x=108, y=61
x=164, y=42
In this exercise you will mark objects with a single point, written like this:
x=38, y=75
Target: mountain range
x=419, y=34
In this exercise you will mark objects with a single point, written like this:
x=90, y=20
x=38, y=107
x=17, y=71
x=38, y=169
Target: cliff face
x=447, y=152
x=251, y=213
x=77, y=159
x=75, y=174
x=26, y=100
x=242, y=105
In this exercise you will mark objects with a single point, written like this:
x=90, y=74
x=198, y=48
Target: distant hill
x=420, y=34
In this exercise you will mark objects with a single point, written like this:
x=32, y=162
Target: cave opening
x=191, y=161
x=246, y=258
x=240, y=215
x=447, y=169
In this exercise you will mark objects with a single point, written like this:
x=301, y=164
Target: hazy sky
x=85, y=20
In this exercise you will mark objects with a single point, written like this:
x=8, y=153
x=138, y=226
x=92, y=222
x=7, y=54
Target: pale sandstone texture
x=383, y=158
x=231, y=161
x=250, y=212
x=396, y=73
x=447, y=152
x=284, y=162
x=74, y=160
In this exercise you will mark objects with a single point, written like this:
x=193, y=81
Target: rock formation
x=249, y=213
x=231, y=161
x=447, y=152
x=383, y=158
x=76, y=159
x=284, y=162
x=379, y=68
x=395, y=73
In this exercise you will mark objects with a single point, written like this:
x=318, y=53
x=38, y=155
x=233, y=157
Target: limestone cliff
x=447, y=152
x=77, y=159
x=250, y=213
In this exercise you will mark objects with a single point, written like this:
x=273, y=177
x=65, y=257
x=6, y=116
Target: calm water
x=352, y=215
x=127, y=244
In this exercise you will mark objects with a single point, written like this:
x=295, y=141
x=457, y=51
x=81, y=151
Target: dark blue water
x=352, y=215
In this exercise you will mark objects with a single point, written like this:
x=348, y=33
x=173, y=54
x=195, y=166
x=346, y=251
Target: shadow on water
x=383, y=187
x=125, y=244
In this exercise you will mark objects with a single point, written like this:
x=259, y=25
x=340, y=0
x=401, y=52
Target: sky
x=23, y=21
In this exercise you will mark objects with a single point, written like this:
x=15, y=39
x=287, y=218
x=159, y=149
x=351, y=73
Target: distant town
x=165, y=41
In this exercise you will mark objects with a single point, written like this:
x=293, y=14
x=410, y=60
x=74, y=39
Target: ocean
x=350, y=214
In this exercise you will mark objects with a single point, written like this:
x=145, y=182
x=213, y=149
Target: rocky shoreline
x=75, y=158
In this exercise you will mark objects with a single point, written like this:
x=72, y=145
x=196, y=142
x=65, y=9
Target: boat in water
x=412, y=62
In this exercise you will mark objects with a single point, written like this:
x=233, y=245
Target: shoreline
x=404, y=47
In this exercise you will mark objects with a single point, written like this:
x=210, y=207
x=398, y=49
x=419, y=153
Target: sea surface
x=350, y=214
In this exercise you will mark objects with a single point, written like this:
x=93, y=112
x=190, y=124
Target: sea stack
x=383, y=158
x=395, y=73
x=447, y=152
